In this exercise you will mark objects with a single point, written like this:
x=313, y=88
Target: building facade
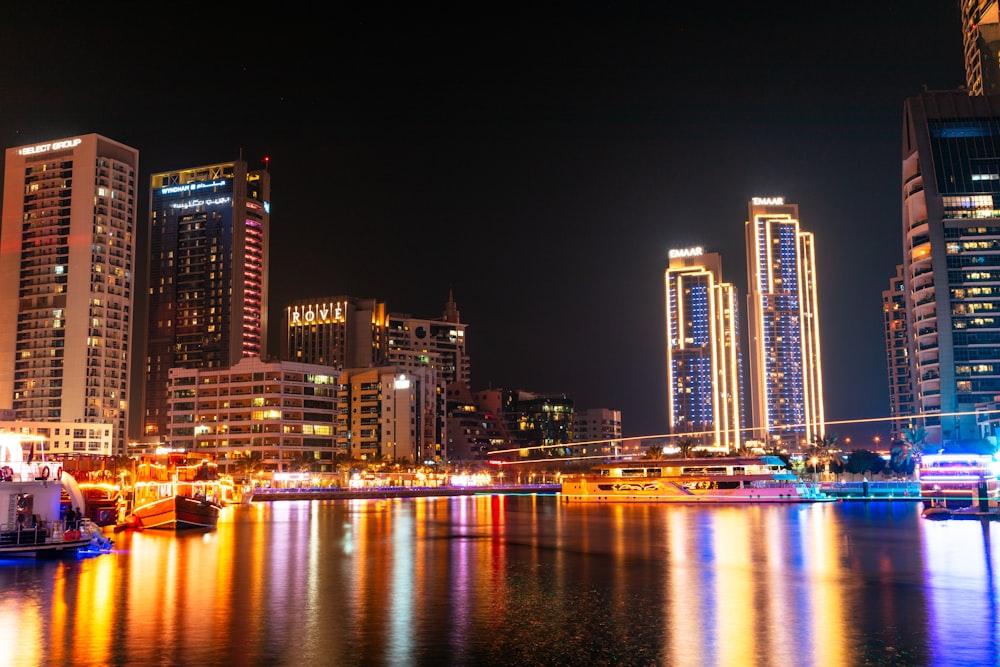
x=256, y=416
x=704, y=396
x=897, y=334
x=600, y=426
x=436, y=344
x=951, y=258
x=981, y=43
x=207, y=275
x=785, y=369
x=342, y=331
x=66, y=281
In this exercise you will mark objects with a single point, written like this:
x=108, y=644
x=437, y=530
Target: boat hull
x=176, y=513
x=660, y=491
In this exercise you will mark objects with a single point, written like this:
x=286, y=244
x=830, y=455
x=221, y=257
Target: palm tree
x=819, y=450
x=654, y=452
x=686, y=445
x=905, y=454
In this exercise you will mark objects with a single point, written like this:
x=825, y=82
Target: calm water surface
x=520, y=580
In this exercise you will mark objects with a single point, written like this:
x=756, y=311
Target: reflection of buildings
x=703, y=353
x=901, y=401
x=208, y=273
x=66, y=280
x=786, y=380
x=951, y=265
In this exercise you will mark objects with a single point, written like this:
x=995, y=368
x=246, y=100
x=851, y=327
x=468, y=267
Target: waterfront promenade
x=882, y=490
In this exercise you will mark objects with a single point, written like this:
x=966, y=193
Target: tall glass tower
x=786, y=377
x=703, y=353
x=951, y=257
x=208, y=269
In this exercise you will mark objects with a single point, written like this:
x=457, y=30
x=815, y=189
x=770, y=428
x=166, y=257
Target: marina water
x=520, y=580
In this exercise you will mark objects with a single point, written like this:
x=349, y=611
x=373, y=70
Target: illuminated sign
x=768, y=201
x=315, y=314
x=51, y=146
x=194, y=203
x=191, y=187
x=686, y=252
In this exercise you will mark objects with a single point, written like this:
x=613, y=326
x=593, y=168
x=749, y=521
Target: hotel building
x=66, y=280
x=342, y=331
x=981, y=42
x=601, y=426
x=951, y=258
x=704, y=396
x=207, y=275
x=786, y=379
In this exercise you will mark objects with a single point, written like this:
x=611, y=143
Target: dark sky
x=538, y=163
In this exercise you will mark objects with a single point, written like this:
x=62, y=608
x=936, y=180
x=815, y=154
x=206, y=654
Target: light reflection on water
x=520, y=580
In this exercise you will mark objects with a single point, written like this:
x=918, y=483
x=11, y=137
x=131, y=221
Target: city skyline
x=537, y=167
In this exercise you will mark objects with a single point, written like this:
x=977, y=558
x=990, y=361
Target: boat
x=101, y=496
x=758, y=479
x=34, y=499
x=966, y=482
x=174, y=492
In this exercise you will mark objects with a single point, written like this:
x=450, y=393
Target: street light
x=814, y=460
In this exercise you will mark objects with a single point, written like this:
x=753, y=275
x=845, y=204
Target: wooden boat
x=174, y=492
x=34, y=496
x=692, y=480
x=101, y=496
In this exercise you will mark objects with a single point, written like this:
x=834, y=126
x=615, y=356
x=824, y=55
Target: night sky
x=539, y=164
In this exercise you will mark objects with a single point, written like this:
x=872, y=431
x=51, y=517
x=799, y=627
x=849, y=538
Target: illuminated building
x=703, y=354
x=981, y=42
x=436, y=344
x=208, y=273
x=951, y=264
x=66, y=280
x=601, y=426
x=901, y=403
x=275, y=415
x=786, y=379
x=342, y=331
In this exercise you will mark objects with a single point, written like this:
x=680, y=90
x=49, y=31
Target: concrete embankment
x=269, y=495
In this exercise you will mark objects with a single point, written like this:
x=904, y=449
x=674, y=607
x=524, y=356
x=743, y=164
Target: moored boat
x=692, y=480
x=174, y=492
x=33, y=498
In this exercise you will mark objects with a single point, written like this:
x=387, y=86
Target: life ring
x=59, y=472
x=46, y=472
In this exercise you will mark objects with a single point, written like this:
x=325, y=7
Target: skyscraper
x=703, y=353
x=951, y=257
x=786, y=377
x=66, y=278
x=208, y=271
x=981, y=41
x=901, y=403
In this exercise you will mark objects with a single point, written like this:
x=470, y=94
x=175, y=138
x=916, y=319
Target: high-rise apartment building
x=207, y=275
x=951, y=257
x=436, y=344
x=786, y=378
x=66, y=278
x=703, y=353
x=897, y=335
x=981, y=41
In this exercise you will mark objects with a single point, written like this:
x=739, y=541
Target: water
x=520, y=580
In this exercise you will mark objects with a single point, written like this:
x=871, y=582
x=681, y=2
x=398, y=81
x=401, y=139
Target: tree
x=906, y=453
x=654, y=452
x=861, y=461
x=686, y=445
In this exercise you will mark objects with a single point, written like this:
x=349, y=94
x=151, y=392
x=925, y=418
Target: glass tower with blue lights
x=786, y=377
x=703, y=353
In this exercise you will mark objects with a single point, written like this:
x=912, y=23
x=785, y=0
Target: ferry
x=762, y=479
x=964, y=482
